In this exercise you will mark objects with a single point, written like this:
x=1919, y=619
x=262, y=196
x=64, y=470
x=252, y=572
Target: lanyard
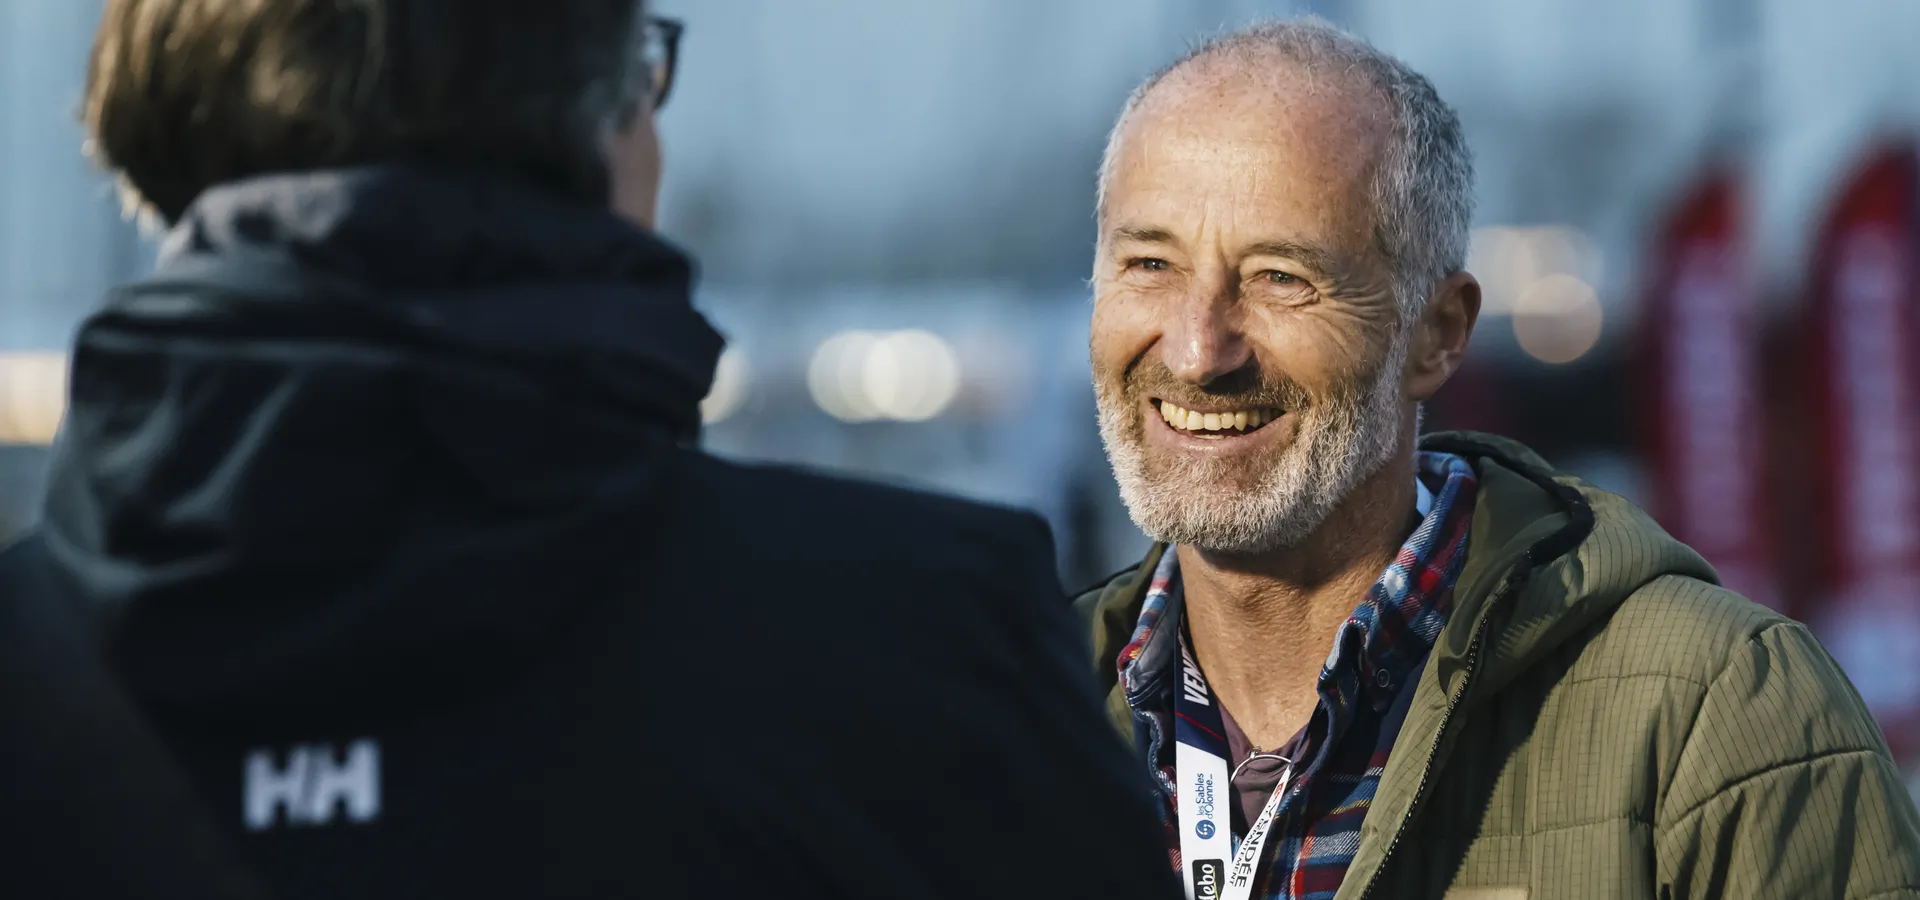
x=1203, y=792
x=1203, y=788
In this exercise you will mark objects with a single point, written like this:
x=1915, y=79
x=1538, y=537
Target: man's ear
x=1440, y=336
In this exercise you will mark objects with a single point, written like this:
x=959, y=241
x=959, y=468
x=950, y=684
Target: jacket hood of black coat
x=369, y=432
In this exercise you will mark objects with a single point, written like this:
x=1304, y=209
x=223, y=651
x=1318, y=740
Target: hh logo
x=313, y=785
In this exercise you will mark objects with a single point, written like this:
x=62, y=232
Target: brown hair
x=185, y=94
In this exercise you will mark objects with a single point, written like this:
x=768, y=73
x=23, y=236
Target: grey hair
x=1423, y=187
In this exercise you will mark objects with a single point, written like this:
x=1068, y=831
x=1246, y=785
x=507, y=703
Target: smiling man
x=1358, y=664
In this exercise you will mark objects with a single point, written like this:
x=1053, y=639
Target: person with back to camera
x=385, y=490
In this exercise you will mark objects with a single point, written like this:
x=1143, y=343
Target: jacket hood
x=369, y=430
x=1561, y=555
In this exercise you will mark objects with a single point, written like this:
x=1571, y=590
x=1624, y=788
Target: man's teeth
x=1238, y=420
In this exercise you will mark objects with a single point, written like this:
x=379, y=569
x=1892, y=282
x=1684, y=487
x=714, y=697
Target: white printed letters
x=315, y=782
x=1191, y=682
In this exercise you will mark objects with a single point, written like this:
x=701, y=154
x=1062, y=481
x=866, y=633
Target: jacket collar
x=476, y=258
x=1570, y=553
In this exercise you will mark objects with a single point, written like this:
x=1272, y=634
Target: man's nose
x=1204, y=341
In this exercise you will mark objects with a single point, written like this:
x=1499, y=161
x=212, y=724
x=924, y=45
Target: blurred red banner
x=1698, y=349
x=1859, y=329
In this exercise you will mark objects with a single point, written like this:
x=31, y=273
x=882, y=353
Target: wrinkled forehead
x=1276, y=135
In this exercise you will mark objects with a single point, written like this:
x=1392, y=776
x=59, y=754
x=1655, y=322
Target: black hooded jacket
x=382, y=492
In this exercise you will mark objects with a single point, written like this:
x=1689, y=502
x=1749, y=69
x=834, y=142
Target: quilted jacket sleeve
x=1785, y=787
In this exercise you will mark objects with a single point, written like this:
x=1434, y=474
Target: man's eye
x=1150, y=264
x=1281, y=278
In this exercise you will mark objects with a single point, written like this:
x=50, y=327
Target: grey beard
x=1338, y=444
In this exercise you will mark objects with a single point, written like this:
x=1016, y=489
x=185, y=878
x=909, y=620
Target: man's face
x=633, y=166
x=1247, y=343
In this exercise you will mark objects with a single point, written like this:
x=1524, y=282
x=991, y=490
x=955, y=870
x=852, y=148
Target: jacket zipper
x=1446, y=719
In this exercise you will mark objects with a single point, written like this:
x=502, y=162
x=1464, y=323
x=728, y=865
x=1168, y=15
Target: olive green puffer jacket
x=1599, y=719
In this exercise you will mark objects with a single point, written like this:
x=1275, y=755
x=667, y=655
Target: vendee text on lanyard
x=1204, y=795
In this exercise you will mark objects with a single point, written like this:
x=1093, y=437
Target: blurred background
x=1696, y=228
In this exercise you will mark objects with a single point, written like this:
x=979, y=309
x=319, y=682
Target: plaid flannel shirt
x=1376, y=655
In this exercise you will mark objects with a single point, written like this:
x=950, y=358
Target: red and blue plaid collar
x=1394, y=625
x=1390, y=631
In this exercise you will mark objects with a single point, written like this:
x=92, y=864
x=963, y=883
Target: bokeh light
x=911, y=376
x=861, y=376
x=1510, y=259
x=33, y=397
x=835, y=377
x=1557, y=319
x=731, y=386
